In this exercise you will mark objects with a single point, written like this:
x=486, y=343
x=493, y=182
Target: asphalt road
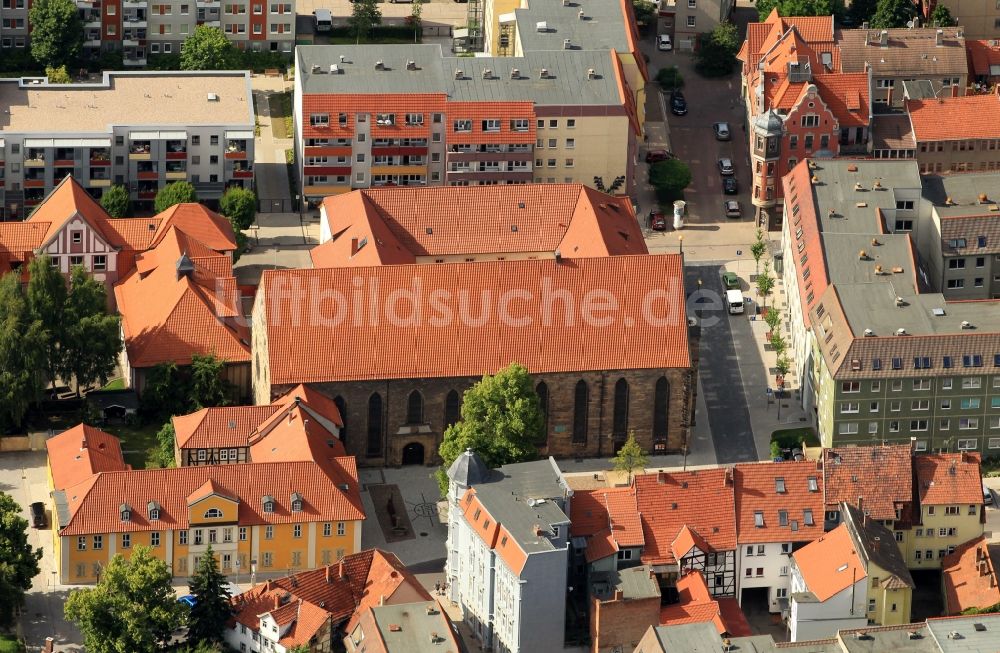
x=722, y=382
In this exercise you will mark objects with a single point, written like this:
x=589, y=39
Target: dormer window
x=296, y=502
x=779, y=485
x=153, y=510
x=268, y=502
x=125, y=511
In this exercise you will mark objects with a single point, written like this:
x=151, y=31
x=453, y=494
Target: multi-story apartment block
x=364, y=120
x=896, y=55
x=852, y=576
x=257, y=517
x=951, y=506
x=799, y=102
x=779, y=509
x=143, y=130
x=14, y=29
x=508, y=552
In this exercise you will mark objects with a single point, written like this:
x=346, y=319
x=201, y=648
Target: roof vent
x=541, y=26
x=343, y=58
x=213, y=97
x=869, y=333
x=815, y=179
x=877, y=185
x=878, y=269
x=581, y=15
x=232, y=423
x=955, y=635
x=875, y=242
x=459, y=74
x=913, y=635
x=901, y=331
x=858, y=186
x=567, y=44
x=515, y=73
x=591, y=73
x=411, y=65
x=544, y=73
x=335, y=69
x=852, y=168
x=966, y=324
x=948, y=201
x=395, y=628
x=938, y=312
x=900, y=302
x=379, y=65
x=983, y=199
x=487, y=73
x=862, y=255
x=316, y=67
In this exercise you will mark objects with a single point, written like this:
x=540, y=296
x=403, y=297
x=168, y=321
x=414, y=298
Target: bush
x=58, y=75
x=669, y=178
x=670, y=78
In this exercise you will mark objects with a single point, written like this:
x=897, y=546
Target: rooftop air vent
x=913, y=635
x=877, y=185
x=878, y=269
x=581, y=15
x=487, y=73
x=937, y=312
x=966, y=324
x=335, y=69
x=869, y=333
x=411, y=65
x=316, y=67
x=900, y=302
x=863, y=255
x=459, y=74
x=567, y=44
x=591, y=73
x=954, y=635
x=515, y=73
x=379, y=65
x=541, y=26
x=875, y=242
x=213, y=97
x=900, y=331
x=543, y=73
x=343, y=58
x=858, y=186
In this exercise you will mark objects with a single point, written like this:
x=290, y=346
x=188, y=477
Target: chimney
x=860, y=504
x=883, y=39
x=185, y=268
x=341, y=573
x=354, y=246
x=277, y=601
x=329, y=575
x=939, y=38
x=619, y=595
x=83, y=443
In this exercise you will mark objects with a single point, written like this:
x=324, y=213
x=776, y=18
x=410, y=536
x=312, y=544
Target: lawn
x=138, y=442
x=791, y=438
x=115, y=384
x=9, y=644
x=281, y=114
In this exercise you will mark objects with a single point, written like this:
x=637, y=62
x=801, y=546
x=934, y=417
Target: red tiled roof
x=686, y=540
x=958, y=118
x=609, y=519
x=949, y=478
x=441, y=343
x=133, y=233
x=21, y=238
x=882, y=475
x=227, y=426
x=67, y=199
x=970, y=580
x=796, y=184
x=78, y=453
x=93, y=503
x=830, y=564
x=756, y=490
x=701, y=500
x=396, y=225
x=196, y=314
x=697, y=606
x=982, y=55
x=846, y=94
x=198, y=222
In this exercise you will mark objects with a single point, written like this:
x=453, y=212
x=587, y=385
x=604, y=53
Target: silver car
x=726, y=167
x=721, y=131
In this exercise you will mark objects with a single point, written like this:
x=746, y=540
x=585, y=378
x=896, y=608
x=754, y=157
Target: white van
x=734, y=300
x=324, y=20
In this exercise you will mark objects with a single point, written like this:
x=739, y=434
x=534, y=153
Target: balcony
x=236, y=149
x=34, y=158
x=100, y=178
x=134, y=4
x=65, y=157
x=134, y=60
x=147, y=170
x=176, y=170
x=139, y=150
x=134, y=20
x=92, y=22
x=100, y=157
x=176, y=151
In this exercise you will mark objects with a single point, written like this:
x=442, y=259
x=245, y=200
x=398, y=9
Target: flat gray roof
x=897, y=639
x=844, y=263
x=970, y=639
x=635, y=583
x=694, y=638
x=873, y=306
x=415, y=627
x=602, y=27
x=568, y=80
x=836, y=190
x=964, y=191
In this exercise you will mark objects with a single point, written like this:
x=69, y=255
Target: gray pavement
x=277, y=241
x=270, y=168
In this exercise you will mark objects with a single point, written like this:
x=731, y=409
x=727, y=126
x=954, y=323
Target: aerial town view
x=509, y=326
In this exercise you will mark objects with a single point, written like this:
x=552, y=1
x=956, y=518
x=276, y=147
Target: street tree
x=22, y=353
x=501, y=421
x=941, y=17
x=209, y=386
x=115, y=201
x=92, y=337
x=773, y=321
x=669, y=178
x=800, y=7
x=56, y=32
x=645, y=12
x=669, y=78
x=174, y=193
x=716, y=55
x=415, y=19
x=208, y=49
x=757, y=250
x=47, y=303
x=782, y=366
x=211, y=609
x=365, y=16
x=164, y=453
x=132, y=608
x=18, y=560
x=777, y=342
x=240, y=206
x=765, y=282
x=630, y=457
x=893, y=13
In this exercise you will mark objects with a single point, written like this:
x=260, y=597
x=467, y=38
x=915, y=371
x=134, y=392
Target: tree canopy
x=22, y=353
x=669, y=178
x=208, y=383
x=941, y=17
x=173, y=390
x=211, y=610
x=174, y=193
x=116, y=202
x=501, y=421
x=800, y=7
x=207, y=48
x=240, y=206
x=92, y=338
x=47, y=295
x=56, y=32
x=365, y=15
x=892, y=13
x=163, y=455
x=132, y=607
x=18, y=561
x=58, y=75
x=716, y=56
x=630, y=457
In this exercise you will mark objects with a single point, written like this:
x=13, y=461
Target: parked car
x=658, y=222
x=729, y=185
x=38, y=514
x=664, y=43
x=721, y=130
x=730, y=280
x=726, y=166
x=678, y=105
x=652, y=156
x=733, y=208
x=987, y=495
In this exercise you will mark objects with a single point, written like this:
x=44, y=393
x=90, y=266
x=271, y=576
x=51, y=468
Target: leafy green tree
x=208, y=49
x=22, y=353
x=415, y=19
x=669, y=178
x=207, y=620
x=164, y=454
x=782, y=366
x=18, y=561
x=239, y=205
x=893, y=13
x=800, y=7
x=174, y=193
x=757, y=250
x=716, y=56
x=58, y=75
x=645, y=12
x=630, y=457
x=92, y=338
x=47, y=304
x=116, y=202
x=501, y=421
x=56, y=32
x=365, y=15
x=669, y=78
x=773, y=321
x=765, y=282
x=132, y=607
x=166, y=392
x=777, y=341
x=209, y=386
x=941, y=17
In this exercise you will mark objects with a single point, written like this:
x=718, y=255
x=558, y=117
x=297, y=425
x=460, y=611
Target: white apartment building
x=508, y=552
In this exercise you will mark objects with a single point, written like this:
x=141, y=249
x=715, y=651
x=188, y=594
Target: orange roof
x=134, y=233
x=609, y=518
x=686, y=540
x=970, y=580
x=197, y=313
x=21, y=238
x=293, y=433
x=881, y=475
x=697, y=606
x=198, y=222
x=700, y=500
x=66, y=200
x=797, y=186
x=79, y=452
x=757, y=488
x=396, y=225
x=982, y=56
x=958, y=118
x=830, y=564
x=448, y=341
x=846, y=94
x=227, y=426
x=93, y=503
x=949, y=478
x=205, y=490
x=315, y=399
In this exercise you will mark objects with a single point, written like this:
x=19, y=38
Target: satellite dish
x=909, y=24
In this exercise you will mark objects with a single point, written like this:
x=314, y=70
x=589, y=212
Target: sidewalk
x=271, y=170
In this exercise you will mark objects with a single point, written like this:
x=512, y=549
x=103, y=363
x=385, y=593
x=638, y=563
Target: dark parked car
x=652, y=156
x=678, y=105
x=729, y=186
x=38, y=514
x=658, y=222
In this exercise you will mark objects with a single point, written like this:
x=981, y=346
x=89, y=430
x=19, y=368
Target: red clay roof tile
x=830, y=564
x=881, y=475
x=949, y=478
x=78, y=453
x=757, y=490
x=969, y=577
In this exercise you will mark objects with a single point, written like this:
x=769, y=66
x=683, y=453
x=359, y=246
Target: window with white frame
x=968, y=444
